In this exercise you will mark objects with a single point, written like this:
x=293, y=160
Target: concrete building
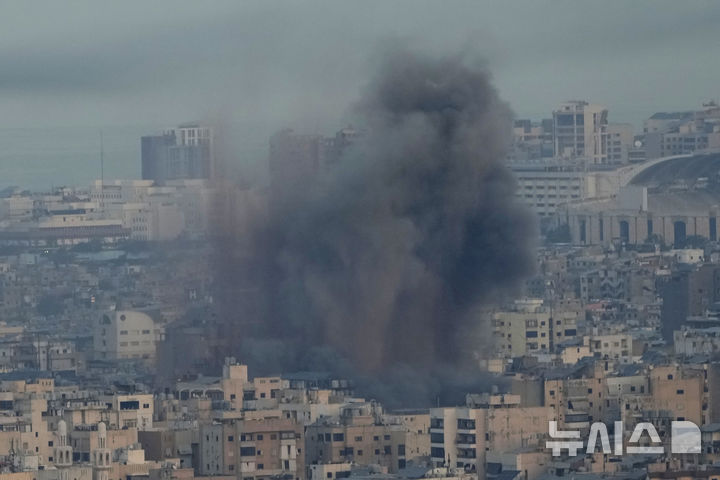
x=618, y=347
x=532, y=328
x=125, y=334
x=266, y=448
x=545, y=186
x=461, y=437
x=677, y=133
x=689, y=293
x=619, y=141
x=362, y=437
x=580, y=131
x=634, y=216
x=689, y=342
x=183, y=152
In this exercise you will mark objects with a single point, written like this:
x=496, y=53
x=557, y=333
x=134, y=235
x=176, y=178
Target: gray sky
x=300, y=63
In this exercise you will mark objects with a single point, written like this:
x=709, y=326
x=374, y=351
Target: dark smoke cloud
x=383, y=263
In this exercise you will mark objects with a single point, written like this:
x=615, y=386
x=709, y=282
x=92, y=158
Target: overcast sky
x=300, y=63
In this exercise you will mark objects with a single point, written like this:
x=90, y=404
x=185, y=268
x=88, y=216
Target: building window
x=713, y=229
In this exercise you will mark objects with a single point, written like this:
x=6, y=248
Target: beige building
x=633, y=216
x=363, y=438
x=579, y=398
x=125, y=334
x=580, y=130
x=257, y=449
x=461, y=437
x=617, y=347
x=532, y=328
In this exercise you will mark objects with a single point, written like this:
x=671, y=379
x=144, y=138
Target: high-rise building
x=184, y=152
x=579, y=131
x=295, y=159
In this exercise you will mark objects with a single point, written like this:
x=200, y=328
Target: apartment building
x=252, y=449
x=361, y=436
x=532, y=327
x=460, y=437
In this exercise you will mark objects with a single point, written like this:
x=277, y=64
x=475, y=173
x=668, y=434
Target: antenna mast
x=102, y=161
x=102, y=172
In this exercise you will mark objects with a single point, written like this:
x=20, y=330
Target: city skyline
x=247, y=59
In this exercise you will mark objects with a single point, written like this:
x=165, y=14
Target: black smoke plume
x=384, y=260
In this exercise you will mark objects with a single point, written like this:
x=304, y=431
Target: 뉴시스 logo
x=685, y=438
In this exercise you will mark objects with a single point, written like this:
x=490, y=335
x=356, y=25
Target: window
x=231, y=438
x=259, y=437
x=338, y=437
x=260, y=466
x=130, y=405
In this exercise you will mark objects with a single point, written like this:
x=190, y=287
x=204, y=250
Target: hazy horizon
x=269, y=65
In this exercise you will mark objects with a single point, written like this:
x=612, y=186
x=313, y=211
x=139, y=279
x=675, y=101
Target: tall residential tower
x=184, y=152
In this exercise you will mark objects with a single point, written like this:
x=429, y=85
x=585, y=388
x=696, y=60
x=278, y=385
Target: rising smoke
x=384, y=261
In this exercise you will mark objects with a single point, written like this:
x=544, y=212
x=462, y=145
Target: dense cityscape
x=111, y=371
x=400, y=240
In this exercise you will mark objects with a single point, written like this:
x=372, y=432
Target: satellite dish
x=638, y=143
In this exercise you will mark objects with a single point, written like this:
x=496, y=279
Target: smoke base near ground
x=381, y=266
